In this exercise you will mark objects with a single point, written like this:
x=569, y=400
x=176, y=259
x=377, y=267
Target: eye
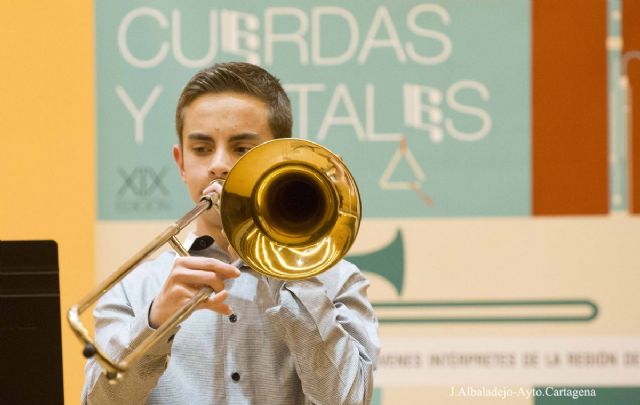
x=201, y=149
x=242, y=149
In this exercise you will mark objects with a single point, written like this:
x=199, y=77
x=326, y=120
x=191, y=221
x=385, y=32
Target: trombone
x=290, y=209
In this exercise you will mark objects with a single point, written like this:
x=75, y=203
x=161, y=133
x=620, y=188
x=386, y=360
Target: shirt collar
x=206, y=246
x=201, y=243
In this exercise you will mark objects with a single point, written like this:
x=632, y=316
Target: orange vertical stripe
x=47, y=147
x=569, y=107
x=631, y=42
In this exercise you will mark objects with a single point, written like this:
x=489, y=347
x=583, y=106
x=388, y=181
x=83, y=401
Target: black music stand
x=30, y=340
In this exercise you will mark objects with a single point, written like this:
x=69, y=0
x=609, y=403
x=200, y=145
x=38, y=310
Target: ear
x=179, y=158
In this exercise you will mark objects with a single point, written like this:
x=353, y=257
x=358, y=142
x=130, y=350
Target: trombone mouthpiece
x=212, y=198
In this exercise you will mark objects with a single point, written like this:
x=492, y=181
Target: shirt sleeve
x=119, y=329
x=333, y=338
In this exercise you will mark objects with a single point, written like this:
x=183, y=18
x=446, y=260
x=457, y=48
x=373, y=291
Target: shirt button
x=233, y=317
x=235, y=376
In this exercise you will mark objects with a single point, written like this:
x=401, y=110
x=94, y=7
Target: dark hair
x=242, y=78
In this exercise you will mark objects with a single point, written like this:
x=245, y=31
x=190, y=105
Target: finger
x=214, y=187
x=223, y=309
x=178, y=294
x=217, y=298
x=221, y=268
x=216, y=303
x=196, y=278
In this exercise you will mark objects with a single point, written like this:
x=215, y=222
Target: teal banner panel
x=427, y=102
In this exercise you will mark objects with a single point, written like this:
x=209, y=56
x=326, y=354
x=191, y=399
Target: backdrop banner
x=428, y=103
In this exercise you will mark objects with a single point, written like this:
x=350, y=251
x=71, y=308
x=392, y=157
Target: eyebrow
x=244, y=136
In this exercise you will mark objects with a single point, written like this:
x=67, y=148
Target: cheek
x=194, y=175
x=195, y=167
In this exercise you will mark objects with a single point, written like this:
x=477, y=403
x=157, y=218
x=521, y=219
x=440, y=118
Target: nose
x=220, y=164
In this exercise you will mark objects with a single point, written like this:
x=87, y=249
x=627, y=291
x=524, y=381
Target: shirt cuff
x=141, y=330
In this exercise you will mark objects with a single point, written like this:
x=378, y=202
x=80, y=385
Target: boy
x=284, y=342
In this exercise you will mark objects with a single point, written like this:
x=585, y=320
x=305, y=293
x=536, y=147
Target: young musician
x=258, y=340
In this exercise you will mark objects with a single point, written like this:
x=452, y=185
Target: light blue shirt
x=291, y=342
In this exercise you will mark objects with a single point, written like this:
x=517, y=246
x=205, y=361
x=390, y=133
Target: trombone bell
x=290, y=208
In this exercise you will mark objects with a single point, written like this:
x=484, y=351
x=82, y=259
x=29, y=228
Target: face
x=218, y=129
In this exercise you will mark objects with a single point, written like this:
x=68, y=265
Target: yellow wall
x=47, y=159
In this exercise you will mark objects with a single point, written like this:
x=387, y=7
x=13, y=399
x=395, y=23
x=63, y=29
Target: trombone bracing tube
x=114, y=369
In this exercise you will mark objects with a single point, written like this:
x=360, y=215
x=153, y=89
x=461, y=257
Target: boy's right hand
x=188, y=276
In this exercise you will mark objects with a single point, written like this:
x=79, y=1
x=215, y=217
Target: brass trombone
x=290, y=209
